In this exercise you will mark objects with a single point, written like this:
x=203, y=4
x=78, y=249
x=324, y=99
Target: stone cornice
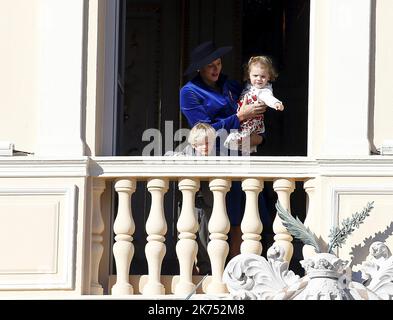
x=19, y=167
x=373, y=166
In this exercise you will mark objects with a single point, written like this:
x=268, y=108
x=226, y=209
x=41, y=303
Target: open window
x=155, y=40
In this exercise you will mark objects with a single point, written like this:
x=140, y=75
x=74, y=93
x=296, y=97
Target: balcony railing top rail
x=234, y=167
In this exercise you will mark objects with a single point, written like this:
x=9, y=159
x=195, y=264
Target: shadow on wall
x=359, y=252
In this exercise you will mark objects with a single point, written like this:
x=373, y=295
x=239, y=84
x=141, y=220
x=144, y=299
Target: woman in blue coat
x=212, y=98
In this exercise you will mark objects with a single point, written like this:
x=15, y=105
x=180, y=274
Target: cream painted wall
x=343, y=196
x=18, y=65
x=339, y=78
x=44, y=230
x=95, y=89
x=317, y=85
x=383, y=113
x=377, y=227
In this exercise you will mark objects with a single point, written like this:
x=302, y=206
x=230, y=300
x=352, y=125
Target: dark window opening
x=280, y=29
x=156, y=39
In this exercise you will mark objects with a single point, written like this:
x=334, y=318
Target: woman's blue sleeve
x=235, y=88
x=195, y=112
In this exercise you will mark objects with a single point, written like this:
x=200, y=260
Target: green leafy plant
x=297, y=228
x=339, y=236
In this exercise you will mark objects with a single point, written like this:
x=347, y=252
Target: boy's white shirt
x=188, y=150
x=264, y=94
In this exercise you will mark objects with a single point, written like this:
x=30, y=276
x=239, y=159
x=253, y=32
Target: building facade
x=58, y=103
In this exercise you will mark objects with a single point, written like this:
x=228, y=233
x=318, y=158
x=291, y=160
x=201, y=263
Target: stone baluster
x=283, y=188
x=218, y=228
x=97, y=227
x=309, y=187
x=124, y=227
x=187, y=226
x=251, y=224
x=156, y=229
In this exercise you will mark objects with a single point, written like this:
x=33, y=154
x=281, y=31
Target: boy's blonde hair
x=201, y=130
x=265, y=62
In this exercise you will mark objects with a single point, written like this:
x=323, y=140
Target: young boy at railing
x=201, y=141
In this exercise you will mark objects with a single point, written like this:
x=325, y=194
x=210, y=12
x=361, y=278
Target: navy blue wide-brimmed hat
x=204, y=54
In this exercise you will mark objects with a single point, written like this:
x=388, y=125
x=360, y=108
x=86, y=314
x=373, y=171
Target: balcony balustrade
x=188, y=173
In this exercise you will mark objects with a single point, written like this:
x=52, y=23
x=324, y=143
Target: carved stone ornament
x=377, y=271
x=252, y=277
